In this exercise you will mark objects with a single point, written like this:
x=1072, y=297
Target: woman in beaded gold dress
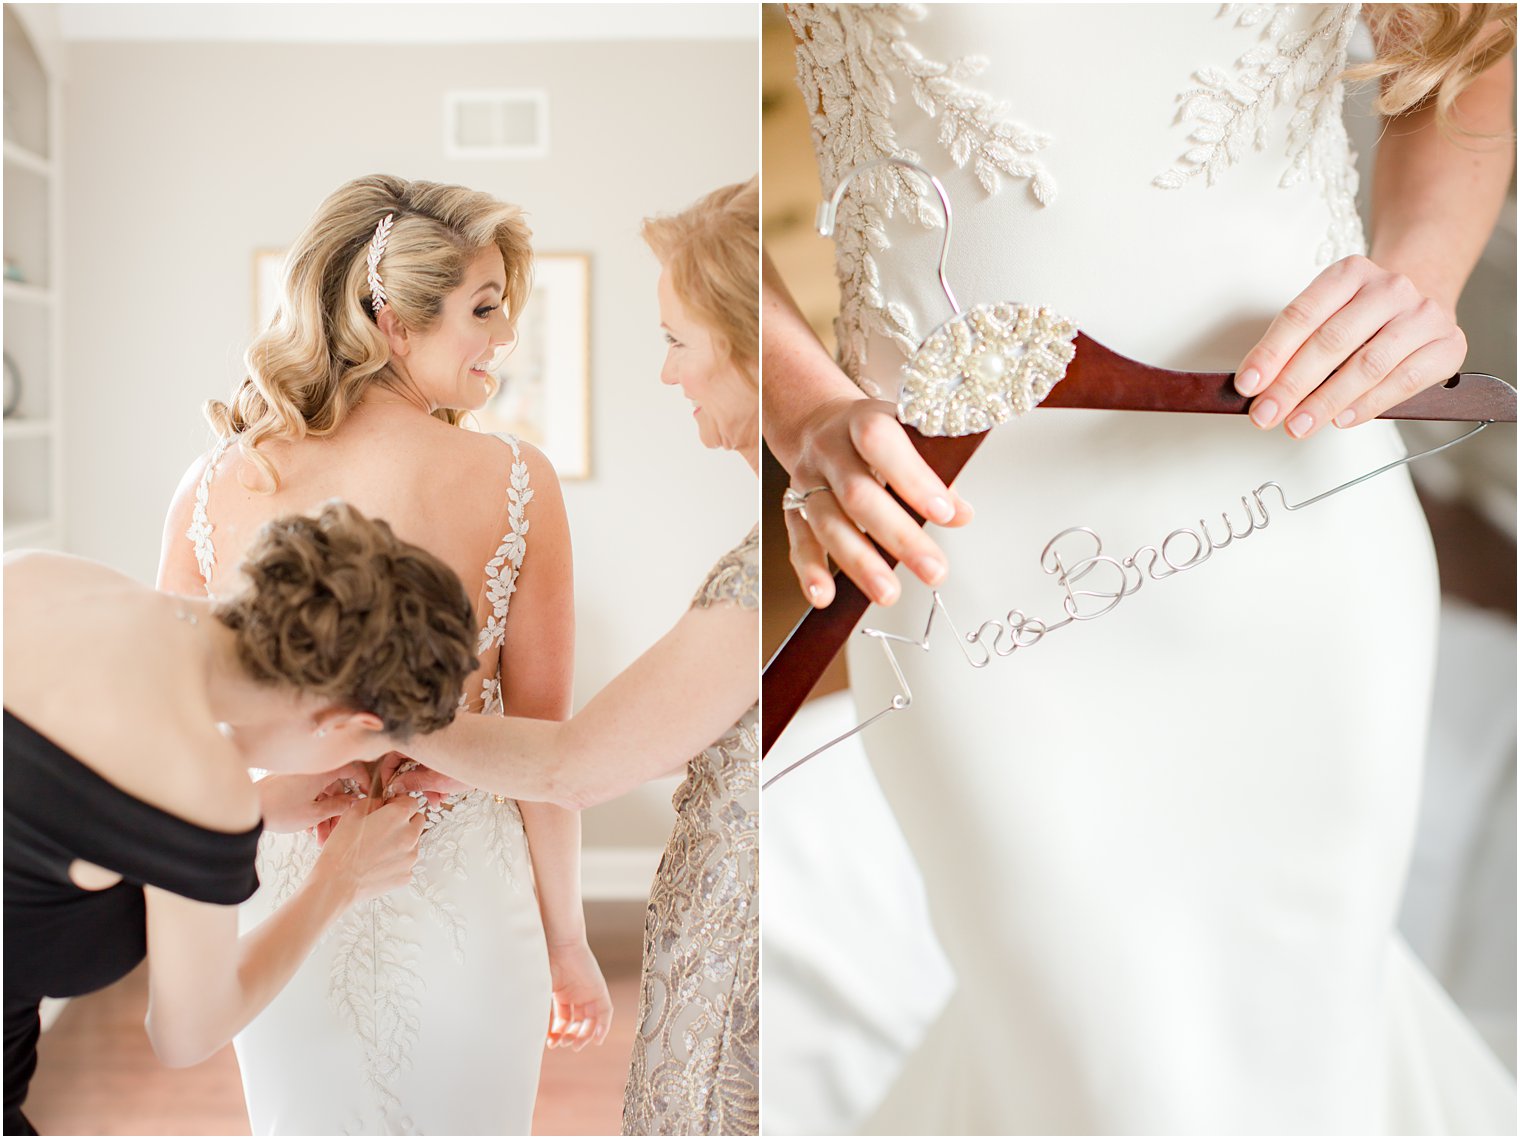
x=695, y=1066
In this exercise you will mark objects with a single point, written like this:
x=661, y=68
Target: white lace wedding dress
x=422, y=1012
x=1163, y=849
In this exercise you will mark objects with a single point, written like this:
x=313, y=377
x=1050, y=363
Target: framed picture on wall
x=545, y=394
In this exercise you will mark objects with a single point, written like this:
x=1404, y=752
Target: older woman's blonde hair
x=712, y=251
x=323, y=349
x=1429, y=53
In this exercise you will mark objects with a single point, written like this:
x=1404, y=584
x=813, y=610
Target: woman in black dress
x=130, y=817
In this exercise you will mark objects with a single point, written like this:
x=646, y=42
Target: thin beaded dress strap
x=501, y=571
x=500, y=582
x=199, y=532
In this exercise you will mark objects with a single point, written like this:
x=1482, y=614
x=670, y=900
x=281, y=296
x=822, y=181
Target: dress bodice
x=1181, y=165
x=695, y=1066
x=724, y=772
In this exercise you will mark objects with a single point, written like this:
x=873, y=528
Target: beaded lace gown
x=1163, y=849
x=422, y=1012
x=695, y=1066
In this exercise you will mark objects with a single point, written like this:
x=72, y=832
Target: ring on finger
x=797, y=499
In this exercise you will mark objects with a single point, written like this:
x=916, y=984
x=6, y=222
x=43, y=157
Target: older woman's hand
x=401, y=775
x=1358, y=341
x=854, y=447
x=291, y=803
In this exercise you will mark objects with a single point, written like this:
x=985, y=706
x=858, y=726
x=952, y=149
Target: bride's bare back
x=443, y=488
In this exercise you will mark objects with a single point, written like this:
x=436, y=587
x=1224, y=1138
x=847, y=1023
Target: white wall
x=181, y=159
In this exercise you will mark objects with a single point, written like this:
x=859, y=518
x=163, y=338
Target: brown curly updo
x=338, y=606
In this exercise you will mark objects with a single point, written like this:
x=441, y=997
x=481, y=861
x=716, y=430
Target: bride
x=426, y=1009
x=695, y=1064
x=1164, y=855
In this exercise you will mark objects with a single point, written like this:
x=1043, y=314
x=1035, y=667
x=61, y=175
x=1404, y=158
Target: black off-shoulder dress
x=60, y=940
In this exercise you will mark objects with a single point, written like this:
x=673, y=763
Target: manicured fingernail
x=1248, y=382
x=816, y=594
x=929, y=569
x=884, y=589
x=1345, y=418
x=940, y=509
x=1264, y=412
x=1299, y=425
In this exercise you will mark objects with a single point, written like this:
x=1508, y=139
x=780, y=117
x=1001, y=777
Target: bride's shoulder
x=504, y=460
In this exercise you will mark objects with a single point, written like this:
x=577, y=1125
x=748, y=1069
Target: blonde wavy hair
x=1429, y=53
x=712, y=251
x=323, y=349
x=337, y=606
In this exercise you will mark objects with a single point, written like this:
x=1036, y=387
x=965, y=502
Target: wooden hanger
x=1096, y=378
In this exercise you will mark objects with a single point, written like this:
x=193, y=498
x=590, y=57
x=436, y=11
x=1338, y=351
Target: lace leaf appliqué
x=1229, y=112
x=504, y=566
x=200, y=529
x=851, y=59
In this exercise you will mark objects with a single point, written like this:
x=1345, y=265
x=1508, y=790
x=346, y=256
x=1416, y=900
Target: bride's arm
x=205, y=983
x=537, y=668
x=683, y=693
x=1369, y=332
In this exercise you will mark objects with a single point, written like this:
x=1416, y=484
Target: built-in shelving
x=33, y=442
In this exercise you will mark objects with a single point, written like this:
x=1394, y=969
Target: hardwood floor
x=97, y=1074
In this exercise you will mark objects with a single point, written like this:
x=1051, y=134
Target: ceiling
x=407, y=23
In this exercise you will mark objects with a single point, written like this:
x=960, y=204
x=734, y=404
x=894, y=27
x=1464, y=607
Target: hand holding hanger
x=999, y=360
x=1357, y=342
x=856, y=448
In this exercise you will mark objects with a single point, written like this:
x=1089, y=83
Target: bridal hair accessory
x=1091, y=583
x=377, y=251
x=982, y=366
x=797, y=500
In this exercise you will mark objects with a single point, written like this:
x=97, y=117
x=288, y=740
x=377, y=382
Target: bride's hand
x=292, y=803
x=854, y=448
x=434, y=784
x=373, y=847
x=581, y=1012
x=1388, y=340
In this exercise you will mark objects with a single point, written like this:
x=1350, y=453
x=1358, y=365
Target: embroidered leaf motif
x=200, y=528
x=1298, y=69
x=852, y=61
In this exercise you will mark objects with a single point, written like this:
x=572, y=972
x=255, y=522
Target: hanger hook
x=828, y=214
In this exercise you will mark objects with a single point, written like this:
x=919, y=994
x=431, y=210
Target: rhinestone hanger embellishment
x=985, y=366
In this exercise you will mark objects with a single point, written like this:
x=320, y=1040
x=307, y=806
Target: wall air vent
x=496, y=124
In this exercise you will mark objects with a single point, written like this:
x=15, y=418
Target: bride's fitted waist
x=474, y=832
